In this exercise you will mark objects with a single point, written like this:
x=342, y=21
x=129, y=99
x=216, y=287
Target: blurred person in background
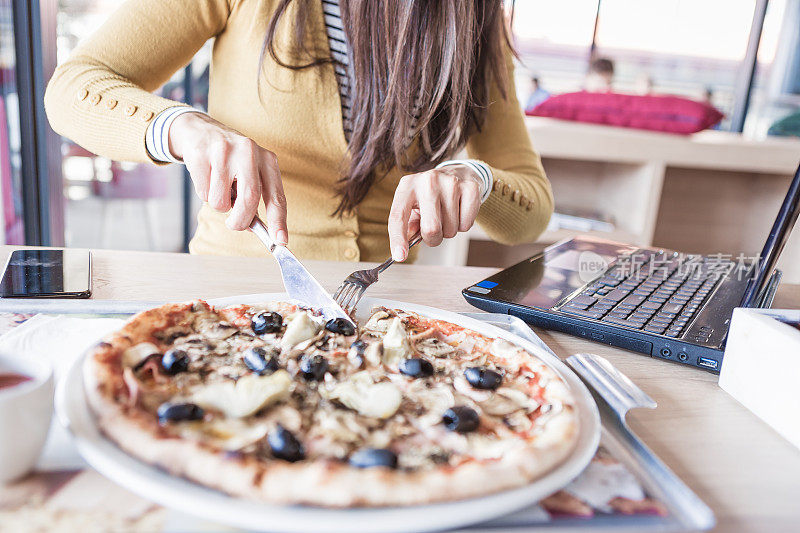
x=536, y=96
x=708, y=98
x=600, y=77
x=708, y=95
x=346, y=112
x=644, y=85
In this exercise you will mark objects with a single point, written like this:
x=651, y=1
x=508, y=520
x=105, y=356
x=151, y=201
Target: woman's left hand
x=438, y=203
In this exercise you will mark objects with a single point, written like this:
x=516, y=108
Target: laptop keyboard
x=653, y=291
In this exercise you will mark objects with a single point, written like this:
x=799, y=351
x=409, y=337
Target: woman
x=346, y=111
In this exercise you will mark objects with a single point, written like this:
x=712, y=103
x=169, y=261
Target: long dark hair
x=422, y=72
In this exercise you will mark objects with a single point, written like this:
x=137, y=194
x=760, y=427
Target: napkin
x=59, y=340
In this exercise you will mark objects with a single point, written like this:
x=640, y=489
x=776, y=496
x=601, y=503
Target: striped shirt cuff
x=481, y=169
x=156, y=139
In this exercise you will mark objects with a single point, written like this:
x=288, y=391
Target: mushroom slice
x=138, y=353
x=461, y=384
x=213, y=329
x=434, y=347
x=518, y=421
x=378, y=322
x=230, y=434
x=435, y=401
x=171, y=334
x=506, y=400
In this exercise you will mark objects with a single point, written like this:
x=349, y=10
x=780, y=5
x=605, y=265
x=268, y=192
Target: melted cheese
x=503, y=349
x=557, y=391
x=490, y=447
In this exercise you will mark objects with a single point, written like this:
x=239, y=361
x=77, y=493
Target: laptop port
x=666, y=352
x=705, y=362
x=682, y=356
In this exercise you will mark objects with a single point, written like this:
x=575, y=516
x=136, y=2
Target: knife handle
x=257, y=226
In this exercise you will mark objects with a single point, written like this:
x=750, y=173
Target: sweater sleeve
x=100, y=97
x=521, y=202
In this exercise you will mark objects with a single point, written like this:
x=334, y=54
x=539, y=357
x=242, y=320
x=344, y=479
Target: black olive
x=176, y=412
x=341, y=326
x=273, y=364
x=152, y=357
x=266, y=322
x=416, y=367
x=461, y=418
x=359, y=346
x=313, y=368
x=483, y=378
x=356, y=353
x=175, y=361
x=370, y=457
x=256, y=360
x=284, y=445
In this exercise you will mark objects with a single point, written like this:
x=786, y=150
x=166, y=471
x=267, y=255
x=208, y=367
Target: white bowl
x=25, y=413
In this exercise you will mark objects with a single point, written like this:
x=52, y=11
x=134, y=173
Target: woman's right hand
x=216, y=157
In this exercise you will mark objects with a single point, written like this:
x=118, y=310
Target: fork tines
x=348, y=295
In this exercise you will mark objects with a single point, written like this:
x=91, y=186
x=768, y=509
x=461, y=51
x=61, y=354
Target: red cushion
x=672, y=114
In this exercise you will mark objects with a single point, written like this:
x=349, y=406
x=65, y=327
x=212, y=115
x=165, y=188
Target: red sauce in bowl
x=10, y=379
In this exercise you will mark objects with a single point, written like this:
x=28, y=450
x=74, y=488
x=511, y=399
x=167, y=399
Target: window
x=113, y=204
x=10, y=160
x=692, y=48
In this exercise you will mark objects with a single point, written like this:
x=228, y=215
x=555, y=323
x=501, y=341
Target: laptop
x=670, y=305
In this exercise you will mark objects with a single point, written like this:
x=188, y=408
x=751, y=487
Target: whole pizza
x=270, y=402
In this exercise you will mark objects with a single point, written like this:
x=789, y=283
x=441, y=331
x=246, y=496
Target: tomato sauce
x=11, y=379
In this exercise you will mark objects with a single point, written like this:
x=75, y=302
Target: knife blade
x=298, y=281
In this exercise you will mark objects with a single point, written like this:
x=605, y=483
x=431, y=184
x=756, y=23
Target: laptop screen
x=778, y=235
x=547, y=278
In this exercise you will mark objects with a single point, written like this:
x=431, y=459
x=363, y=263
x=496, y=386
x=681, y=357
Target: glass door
x=12, y=230
x=113, y=204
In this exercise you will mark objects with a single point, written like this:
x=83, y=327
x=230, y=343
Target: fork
x=352, y=288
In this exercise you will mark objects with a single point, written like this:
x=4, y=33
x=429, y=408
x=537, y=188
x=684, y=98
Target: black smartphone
x=47, y=273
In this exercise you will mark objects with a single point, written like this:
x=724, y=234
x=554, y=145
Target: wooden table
x=739, y=466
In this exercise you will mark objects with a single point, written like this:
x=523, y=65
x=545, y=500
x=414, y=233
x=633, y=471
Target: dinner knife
x=616, y=394
x=298, y=281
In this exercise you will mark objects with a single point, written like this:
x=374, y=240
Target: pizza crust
x=324, y=482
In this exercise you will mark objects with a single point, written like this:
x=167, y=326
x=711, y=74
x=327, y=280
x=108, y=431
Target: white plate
x=191, y=498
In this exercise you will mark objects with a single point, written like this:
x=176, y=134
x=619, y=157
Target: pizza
x=270, y=402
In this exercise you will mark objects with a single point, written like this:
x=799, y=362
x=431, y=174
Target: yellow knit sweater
x=101, y=98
